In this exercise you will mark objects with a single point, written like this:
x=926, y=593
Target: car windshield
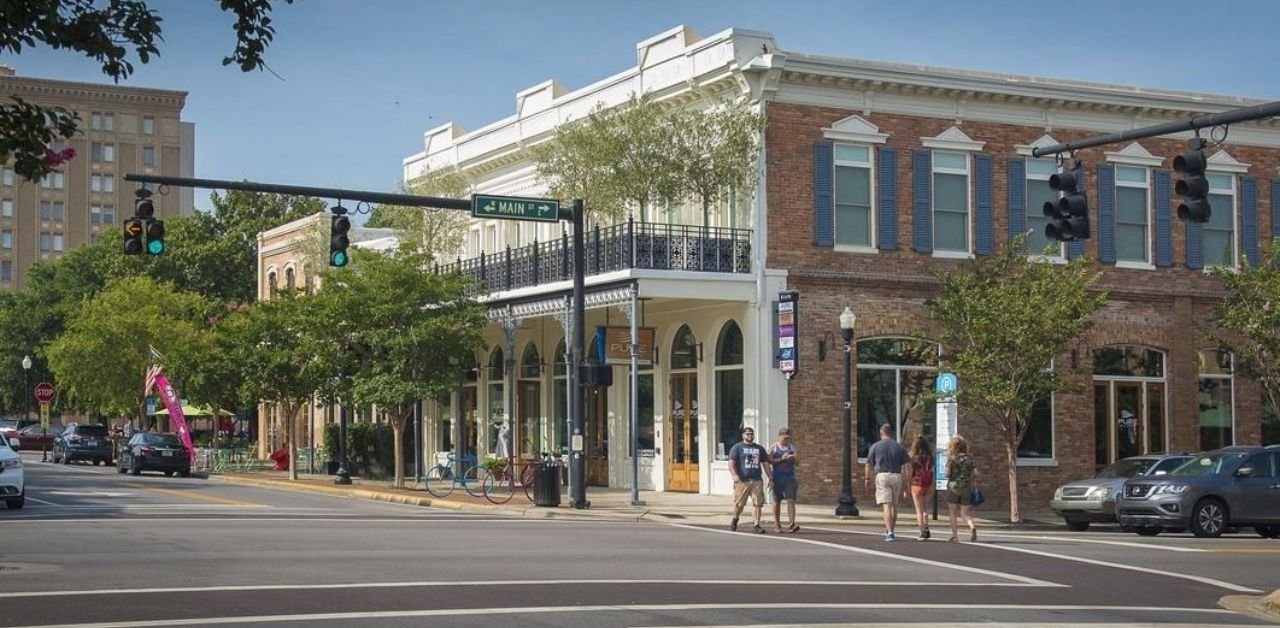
x=168, y=440
x=8, y=423
x=1126, y=468
x=91, y=430
x=1167, y=465
x=1207, y=464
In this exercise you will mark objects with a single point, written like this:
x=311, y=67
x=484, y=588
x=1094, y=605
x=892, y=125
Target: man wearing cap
x=747, y=461
x=782, y=464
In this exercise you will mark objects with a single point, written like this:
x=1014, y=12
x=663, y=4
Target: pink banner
x=174, y=405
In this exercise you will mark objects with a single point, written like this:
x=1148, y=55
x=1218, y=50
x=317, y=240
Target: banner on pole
x=174, y=405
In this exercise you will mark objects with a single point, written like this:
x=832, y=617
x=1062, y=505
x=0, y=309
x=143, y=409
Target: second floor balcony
x=617, y=247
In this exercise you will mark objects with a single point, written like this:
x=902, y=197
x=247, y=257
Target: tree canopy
x=1249, y=320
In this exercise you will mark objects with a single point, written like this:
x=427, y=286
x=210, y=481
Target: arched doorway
x=682, y=428
x=729, y=388
x=1128, y=403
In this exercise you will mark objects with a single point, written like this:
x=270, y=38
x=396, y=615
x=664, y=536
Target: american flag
x=152, y=371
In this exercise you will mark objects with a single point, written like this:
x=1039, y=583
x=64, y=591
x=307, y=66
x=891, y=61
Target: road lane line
x=1041, y=537
x=173, y=492
x=1241, y=550
x=870, y=552
x=605, y=608
x=41, y=501
x=399, y=584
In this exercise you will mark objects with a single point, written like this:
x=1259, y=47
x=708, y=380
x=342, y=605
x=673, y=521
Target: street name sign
x=515, y=208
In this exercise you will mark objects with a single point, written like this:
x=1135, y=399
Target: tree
x=104, y=31
x=617, y=159
x=407, y=331
x=429, y=230
x=240, y=217
x=1002, y=320
x=716, y=152
x=100, y=360
x=1249, y=317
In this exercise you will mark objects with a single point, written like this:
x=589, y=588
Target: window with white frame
x=148, y=125
x=1037, y=441
x=1133, y=225
x=1219, y=234
x=1216, y=400
x=950, y=202
x=95, y=183
x=1039, y=193
x=855, y=221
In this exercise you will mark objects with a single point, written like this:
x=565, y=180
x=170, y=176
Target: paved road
x=97, y=548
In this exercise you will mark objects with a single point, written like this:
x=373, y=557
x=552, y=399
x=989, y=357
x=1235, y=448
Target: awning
x=194, y=411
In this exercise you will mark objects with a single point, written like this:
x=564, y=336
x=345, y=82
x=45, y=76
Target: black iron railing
x=617, y=247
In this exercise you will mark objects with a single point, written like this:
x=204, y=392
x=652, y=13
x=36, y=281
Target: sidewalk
x=615, y=504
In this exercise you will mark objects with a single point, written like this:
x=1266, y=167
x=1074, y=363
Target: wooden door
x=597, y=436
x=682, y=434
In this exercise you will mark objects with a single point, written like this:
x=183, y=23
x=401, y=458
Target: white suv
x=12, y=486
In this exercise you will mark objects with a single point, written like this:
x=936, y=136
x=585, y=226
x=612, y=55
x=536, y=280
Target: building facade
x=871, y=174
x=123, y=130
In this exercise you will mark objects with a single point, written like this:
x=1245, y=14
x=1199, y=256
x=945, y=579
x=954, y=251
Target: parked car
x=35, y=438
x=13, y=487
x=1083, y=502
x=149, y=451
x=1221, y=489
x=83, y=442
x=9, y=426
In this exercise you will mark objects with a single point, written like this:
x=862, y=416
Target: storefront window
x=1129, y=403
x=1037, y=441
x=645, y=433
x=497, y=399
x=1215, y=402
x=684, y=351
x=560, y=398
x=892, y=375
x=729, y=386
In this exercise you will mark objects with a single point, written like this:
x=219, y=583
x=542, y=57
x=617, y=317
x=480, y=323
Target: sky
x=359, y=81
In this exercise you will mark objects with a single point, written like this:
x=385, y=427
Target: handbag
x=976, y=497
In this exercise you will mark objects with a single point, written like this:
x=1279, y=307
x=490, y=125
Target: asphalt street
x=94, y=548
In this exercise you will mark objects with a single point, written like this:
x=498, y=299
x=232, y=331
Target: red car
x=9, y=427
x=32, y=438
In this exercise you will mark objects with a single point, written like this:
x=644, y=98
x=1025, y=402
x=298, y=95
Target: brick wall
x=1164, y=308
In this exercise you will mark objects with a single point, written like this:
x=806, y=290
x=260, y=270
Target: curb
x=1264, y=607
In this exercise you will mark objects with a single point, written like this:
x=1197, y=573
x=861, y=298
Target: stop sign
x=44, y=392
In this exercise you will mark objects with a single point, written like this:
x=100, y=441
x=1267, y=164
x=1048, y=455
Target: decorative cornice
x=70, y=91
x=1025, y=149
x=1222, y=161
x=1134, y=155
x=952, y=139
x=855, y=129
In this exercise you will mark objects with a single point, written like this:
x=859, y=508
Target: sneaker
x=758, y=529
x=733, y=525
x=922, y=536
x=889, y=537
x=893, y=537
x=928, y=534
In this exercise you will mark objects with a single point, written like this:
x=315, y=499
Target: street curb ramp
x=1265, y=607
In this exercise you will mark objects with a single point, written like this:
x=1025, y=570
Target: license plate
x=166, y=453
x=92, y=442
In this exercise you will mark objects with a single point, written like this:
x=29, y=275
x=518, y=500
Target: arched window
x=1217, y=400
x=530, y=362
x=560, y=398
x=1128, y=402
x=497, y=397
x=730, y=401
x=892, y=374
x=290, y=281
x=271, y=283
x=684, y=351
x=528, y=426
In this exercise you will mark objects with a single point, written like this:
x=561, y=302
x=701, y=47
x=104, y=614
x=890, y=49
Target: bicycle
x=499, y=488
x=441, y=480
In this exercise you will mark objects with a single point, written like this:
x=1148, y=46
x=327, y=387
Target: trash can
x=546, y=485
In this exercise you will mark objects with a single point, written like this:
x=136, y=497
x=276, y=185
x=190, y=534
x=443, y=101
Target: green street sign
x=515, y=208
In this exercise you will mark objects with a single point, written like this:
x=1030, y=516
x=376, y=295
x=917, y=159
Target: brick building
x=872, y=173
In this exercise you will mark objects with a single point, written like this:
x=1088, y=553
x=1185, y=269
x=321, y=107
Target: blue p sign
x=946, y=384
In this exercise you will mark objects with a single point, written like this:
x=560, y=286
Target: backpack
x=923, y=474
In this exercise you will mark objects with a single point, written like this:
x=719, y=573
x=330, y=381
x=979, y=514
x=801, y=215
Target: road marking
x=397, y=584
x=608, y=608
x=92, y=493
x=966, y=624
x=444, y=518
x=1241, y=550
x=197, y=496
x=871, y=552
x=1043, y=537
x=41, y=501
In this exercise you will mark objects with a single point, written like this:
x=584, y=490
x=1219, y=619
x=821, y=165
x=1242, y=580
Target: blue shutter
x=1106, y=213
x=887, y=198
x=984, y=240
x=1075, y=248
x=1249, y=218
x=922, y=201
x=1164, y=218
x=1275, y=209
x=1195, y=249
x=1017, y=196
x=824, y=226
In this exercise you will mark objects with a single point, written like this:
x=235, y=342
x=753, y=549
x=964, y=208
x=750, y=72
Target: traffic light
x=155, y=237
x=142, y=206
x=134, y=232
x=1193, y=187
x=1069, y=215
x=339, y=225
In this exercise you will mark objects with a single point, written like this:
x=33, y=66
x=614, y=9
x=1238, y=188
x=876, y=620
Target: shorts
x=748, y=488
x=888, y=487
x=784, y=489
x=962, y=496
x=919, y=489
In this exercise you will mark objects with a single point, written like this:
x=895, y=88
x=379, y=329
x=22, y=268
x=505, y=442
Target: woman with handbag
x=921, y=482
x=961, y=476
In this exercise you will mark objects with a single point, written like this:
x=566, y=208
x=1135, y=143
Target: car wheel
x=16, y=503
x=1268, y=532
x=1209, y=519
x=135, y=468
x=1076, y=525
x=1149, y=530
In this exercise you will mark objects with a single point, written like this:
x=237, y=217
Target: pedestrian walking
x=921, y=482
x=747, y=460
x=886, y=461
x=961, y=474
x=782, y=464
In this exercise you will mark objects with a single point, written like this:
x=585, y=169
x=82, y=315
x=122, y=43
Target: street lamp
x=847, y=506
x=26, y=392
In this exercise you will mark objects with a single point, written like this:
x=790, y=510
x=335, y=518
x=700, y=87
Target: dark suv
x=1224, y=488
x=83, y=442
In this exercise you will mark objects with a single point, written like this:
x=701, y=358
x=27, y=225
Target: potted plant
x=495, y=465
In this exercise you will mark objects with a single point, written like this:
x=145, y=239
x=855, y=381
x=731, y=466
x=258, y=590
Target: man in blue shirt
x=782, y=462
x=747, y=461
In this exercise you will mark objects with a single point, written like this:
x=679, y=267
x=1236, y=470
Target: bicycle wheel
x=526, y=480
x=498, y=487
x=439, y=481
x=472, y=482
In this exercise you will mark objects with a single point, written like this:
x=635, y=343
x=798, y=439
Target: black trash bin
x=546, y=485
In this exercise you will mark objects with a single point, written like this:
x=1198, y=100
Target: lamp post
x=847, y=506
x=26, y=391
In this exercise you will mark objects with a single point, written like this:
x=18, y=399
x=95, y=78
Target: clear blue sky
x=362, y=79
